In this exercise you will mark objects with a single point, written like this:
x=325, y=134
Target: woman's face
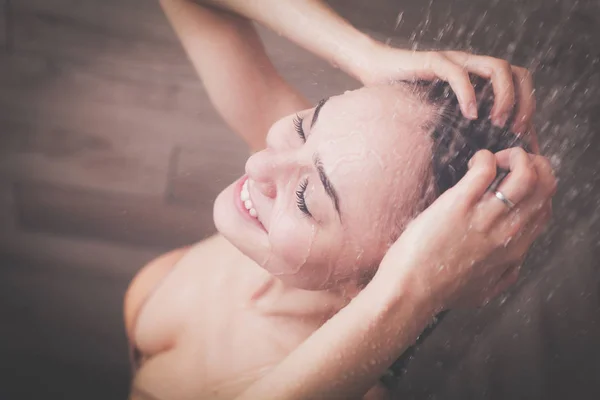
x=319, y=205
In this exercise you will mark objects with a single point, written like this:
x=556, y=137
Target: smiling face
x=321, y=204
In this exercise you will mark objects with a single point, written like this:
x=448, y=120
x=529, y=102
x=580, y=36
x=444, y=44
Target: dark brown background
x=110, y=153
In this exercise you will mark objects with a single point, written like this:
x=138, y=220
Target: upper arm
x=239, y=78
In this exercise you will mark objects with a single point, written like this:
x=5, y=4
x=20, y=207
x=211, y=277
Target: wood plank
x=90, y=138
x=32, y=376
x=127, y=19
x=49, y=107
x=51, y=310
x=74, y=254
x=124, y=35
x=48, y=78
x=4, y=25
x=7, y=206
x=40, y=87
x=84, y=158
x=191, y=179
x=114, y=217
x=58, y=33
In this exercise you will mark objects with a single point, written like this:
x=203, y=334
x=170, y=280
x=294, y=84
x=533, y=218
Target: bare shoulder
x=145, y=282
x=151, y=275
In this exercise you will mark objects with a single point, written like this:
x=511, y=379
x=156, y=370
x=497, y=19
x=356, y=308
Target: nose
x=268, y=167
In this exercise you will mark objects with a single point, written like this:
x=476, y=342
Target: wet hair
x=455, y=139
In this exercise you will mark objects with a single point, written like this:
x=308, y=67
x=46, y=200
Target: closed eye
x=300, y=200
x=298, y=127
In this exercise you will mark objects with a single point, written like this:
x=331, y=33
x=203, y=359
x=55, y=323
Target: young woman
x=320, y=276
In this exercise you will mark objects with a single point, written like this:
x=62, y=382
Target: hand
x=468, y=246
x=384, y=63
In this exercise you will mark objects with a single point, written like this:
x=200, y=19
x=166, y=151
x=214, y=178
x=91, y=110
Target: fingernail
x=501, y=120
x=472, y=111
x=470, y=163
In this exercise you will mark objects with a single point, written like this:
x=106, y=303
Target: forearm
x=312, y=25
x=239, y=78
x=347, y=355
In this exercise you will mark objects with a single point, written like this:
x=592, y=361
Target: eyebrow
x=329, y=189
x=317, y=111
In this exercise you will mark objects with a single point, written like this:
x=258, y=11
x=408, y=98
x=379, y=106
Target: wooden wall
x=110, y=153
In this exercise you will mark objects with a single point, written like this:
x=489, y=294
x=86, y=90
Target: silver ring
x=504, y=199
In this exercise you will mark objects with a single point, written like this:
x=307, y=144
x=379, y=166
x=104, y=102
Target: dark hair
x=455, y=140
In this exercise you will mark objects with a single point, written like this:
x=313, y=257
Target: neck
x=347, y=290
x=271, y=296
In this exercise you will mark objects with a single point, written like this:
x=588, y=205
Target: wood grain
x=4, y=26
x=135, y=220
x=70, y=317
x=190, y=181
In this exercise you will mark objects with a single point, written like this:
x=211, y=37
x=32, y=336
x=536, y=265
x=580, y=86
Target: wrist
x=355, y=59
x=405, y=288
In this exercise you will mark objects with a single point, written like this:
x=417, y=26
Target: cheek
x=280, y=135
x=292, y=241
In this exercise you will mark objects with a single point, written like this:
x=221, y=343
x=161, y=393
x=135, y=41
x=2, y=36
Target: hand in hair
x=512, y=85
x=467, y=247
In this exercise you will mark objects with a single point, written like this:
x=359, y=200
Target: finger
x=535, y=227
x=523, y=239
x=532, y=139
x=518, y=184
x=537, y=205
x=500, y=73
x=458, y=78
x=481, y=173
x=545, y=187
x=525, y=99
x=508, y=279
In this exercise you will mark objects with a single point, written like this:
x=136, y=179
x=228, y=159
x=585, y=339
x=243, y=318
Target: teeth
x=245, y=196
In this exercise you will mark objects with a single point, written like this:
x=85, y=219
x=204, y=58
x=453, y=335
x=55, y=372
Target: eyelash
x=300, y=200
x=298, y=127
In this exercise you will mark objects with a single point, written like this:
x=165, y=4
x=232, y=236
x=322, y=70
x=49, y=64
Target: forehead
x=370, y=141
x=370, y=132
x=378, y=122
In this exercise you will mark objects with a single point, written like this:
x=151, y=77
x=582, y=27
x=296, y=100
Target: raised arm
x=239, y=78
x=312, y=25
x=317, y=28
x=463, y=250
x=250, y=95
